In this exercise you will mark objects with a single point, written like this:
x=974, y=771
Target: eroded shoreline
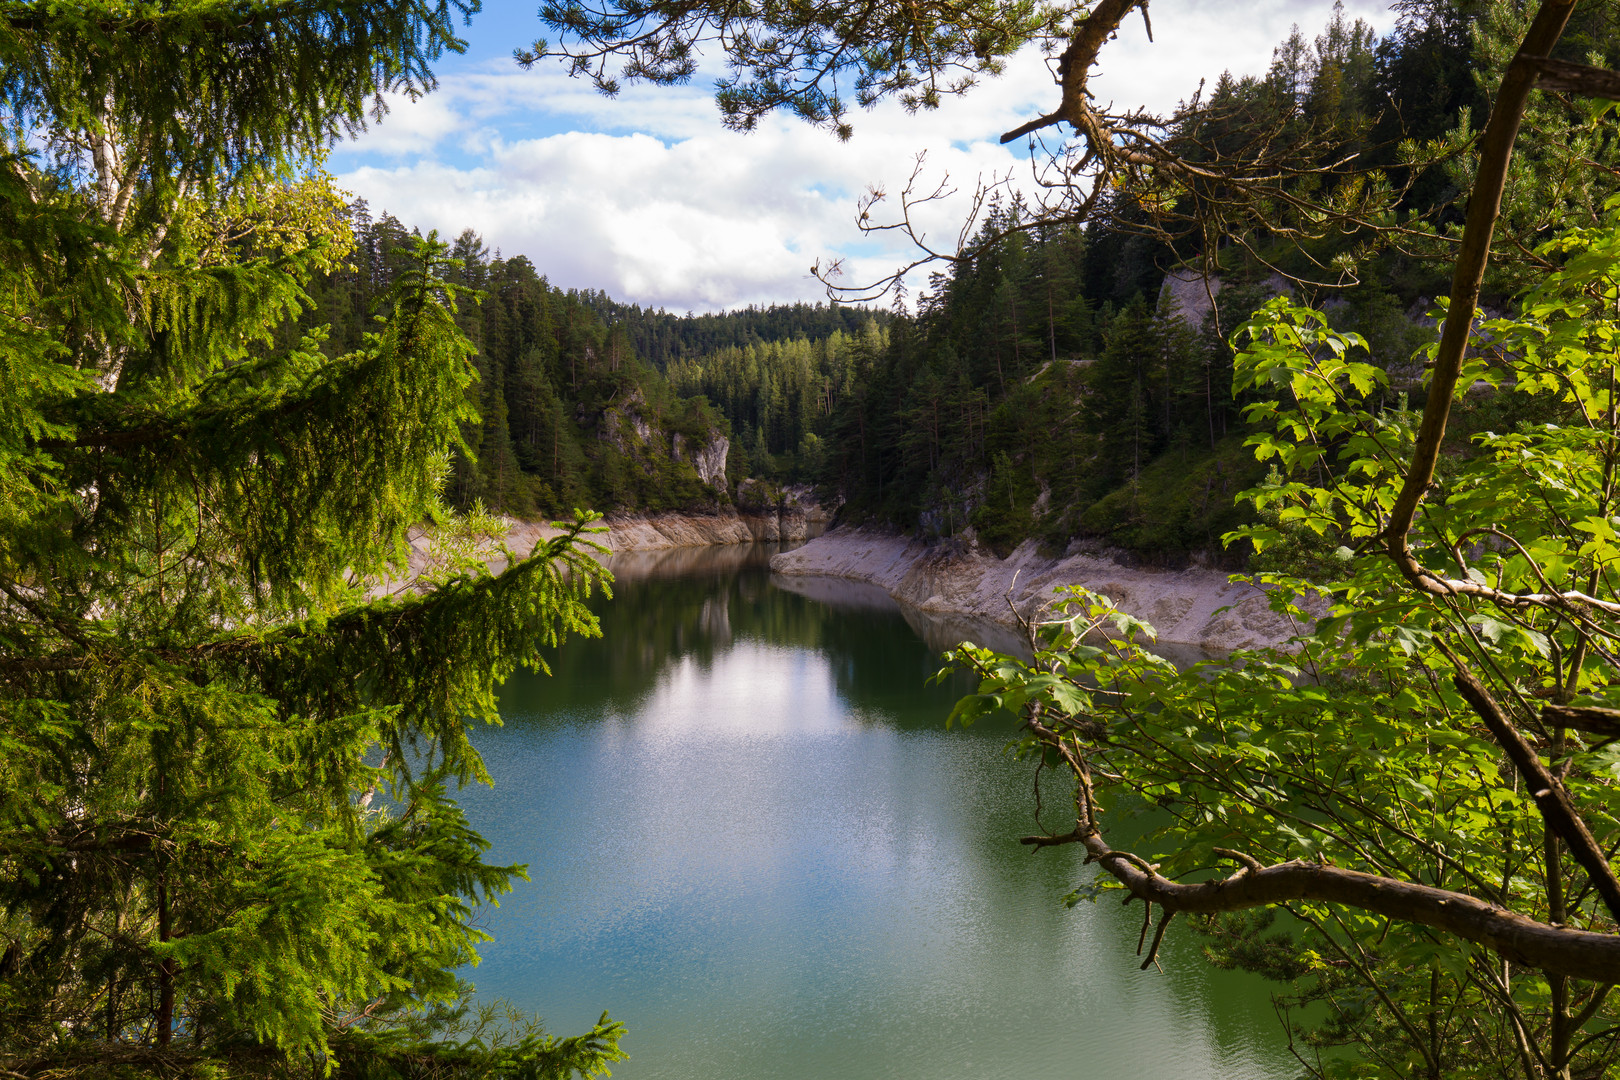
x=1195, y=606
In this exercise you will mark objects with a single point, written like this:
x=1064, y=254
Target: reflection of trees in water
x=631, y=566
x=940, y=632
x=694, y=605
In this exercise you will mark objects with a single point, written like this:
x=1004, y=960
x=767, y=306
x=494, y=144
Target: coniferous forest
x=1352, y=322
x=584, y=402
x=1048, y=386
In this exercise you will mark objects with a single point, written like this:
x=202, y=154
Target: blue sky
x=647, y=196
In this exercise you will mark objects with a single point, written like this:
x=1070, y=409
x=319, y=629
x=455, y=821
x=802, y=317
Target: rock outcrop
x=1186, y=294
x=646, y=440
x=709, y=458
x=795, y=516
x=1196, y=606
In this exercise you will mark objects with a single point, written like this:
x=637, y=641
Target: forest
x=587, y=403
x=1047, y=384
x=235, y=718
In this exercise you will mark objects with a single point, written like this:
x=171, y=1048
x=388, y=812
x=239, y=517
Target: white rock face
x=1184, y=606
x=617, y=418
x=1184, y=293
x=636, y=532
x=1197, y=607
x=710, y=461
x=657, y=532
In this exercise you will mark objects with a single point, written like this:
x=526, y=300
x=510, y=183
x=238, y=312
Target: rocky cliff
x=638, y=433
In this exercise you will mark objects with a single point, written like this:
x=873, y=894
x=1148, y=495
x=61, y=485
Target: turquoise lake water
x=751, y=838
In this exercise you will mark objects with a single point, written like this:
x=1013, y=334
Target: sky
x=647, y=196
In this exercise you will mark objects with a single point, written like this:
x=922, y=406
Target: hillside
x=1059, y=381
x=573, y=413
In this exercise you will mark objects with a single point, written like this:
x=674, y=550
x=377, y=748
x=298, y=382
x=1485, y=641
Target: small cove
x=752, y=840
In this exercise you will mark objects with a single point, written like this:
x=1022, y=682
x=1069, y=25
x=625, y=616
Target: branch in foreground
x=1604, y=723
x=1484, y=206
x=1550, y=795
x=1557, y=950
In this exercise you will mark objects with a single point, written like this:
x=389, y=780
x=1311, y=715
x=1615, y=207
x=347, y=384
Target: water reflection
x=751, y=838
x=720, y=559
x=939, y=632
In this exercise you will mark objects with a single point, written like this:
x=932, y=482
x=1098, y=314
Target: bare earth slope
x=1194, y=606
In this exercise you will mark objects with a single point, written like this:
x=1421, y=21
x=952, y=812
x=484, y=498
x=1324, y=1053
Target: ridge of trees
x=586, y=402
x=662, y=338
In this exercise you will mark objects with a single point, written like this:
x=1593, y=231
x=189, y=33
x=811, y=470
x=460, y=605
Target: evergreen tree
x=1119, y=404
x=198, y=702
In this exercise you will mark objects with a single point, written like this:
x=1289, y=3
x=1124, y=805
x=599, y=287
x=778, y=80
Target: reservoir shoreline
x=1195, y=606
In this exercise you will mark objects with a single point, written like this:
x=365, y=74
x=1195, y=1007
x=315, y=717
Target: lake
x=751, y=838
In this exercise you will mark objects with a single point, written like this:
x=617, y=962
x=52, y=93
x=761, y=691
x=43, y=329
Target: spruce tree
x=227, y=832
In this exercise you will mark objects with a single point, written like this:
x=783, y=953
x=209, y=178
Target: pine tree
x=198, y=704
x=1119, y=404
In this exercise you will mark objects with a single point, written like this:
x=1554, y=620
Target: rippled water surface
x=752, y=840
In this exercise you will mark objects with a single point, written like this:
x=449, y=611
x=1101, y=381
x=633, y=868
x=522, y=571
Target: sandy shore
x=1195, y=606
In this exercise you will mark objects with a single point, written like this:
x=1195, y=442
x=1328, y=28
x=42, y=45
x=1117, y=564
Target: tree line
x=575, y=406
x=662, y=337
x=1048, y=386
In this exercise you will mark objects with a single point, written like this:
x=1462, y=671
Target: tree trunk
x=165, y=1010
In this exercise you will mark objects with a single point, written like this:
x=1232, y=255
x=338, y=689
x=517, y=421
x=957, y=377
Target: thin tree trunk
x=1209, y=404
x=1051, y=320
x=165, y=1011
x=1484, y=206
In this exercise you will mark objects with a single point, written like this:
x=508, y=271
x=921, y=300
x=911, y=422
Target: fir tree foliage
x=228, y=834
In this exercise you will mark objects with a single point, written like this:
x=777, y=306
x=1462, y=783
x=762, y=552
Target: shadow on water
x=751, y=838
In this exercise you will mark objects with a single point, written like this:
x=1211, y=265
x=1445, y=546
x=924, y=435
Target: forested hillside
x=1048, y=386
x=781, y=396
x=573, y=411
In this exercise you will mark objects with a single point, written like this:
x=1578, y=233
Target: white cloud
x=649, y=198
x=1197, y=39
